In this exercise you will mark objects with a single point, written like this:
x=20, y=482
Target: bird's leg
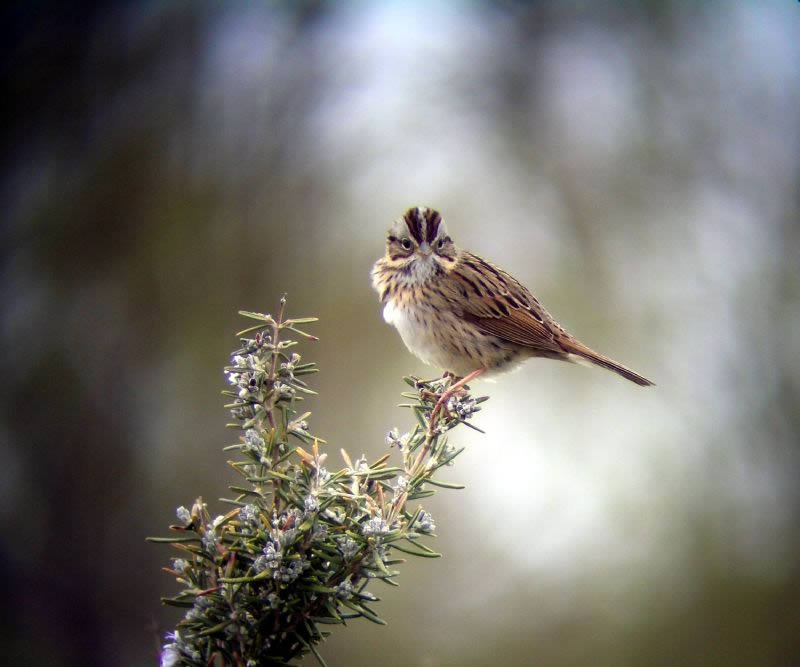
x=453, y=389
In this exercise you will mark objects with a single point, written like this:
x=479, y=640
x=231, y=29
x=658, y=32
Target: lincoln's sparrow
x=456, y=311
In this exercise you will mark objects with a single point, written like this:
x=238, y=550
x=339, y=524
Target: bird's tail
x=578, y=352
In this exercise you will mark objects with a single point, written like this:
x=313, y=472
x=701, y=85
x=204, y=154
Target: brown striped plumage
x=457, y=311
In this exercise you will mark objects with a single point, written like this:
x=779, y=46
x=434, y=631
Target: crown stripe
x=432, y=221
x=413, y=220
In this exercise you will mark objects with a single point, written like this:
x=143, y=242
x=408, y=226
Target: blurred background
x=637, y=165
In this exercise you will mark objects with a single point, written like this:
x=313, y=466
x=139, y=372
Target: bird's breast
x=417, y=329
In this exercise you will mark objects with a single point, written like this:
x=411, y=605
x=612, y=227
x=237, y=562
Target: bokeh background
x=636, y=164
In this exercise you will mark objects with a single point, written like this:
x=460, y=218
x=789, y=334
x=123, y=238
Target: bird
x=463, y=314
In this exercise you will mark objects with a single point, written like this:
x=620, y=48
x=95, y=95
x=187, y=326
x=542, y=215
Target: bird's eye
x=406, y=243
x=440, y=245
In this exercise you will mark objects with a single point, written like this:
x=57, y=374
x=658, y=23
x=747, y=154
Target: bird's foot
x=458, y=386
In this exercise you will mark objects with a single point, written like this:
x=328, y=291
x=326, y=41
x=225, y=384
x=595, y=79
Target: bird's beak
x=425, y=248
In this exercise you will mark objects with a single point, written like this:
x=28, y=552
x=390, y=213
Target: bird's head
x=419, y=246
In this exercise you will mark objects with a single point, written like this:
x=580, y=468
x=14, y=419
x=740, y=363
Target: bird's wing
x=499, y=305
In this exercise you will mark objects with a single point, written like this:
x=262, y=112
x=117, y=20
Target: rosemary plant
x=301, y=543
